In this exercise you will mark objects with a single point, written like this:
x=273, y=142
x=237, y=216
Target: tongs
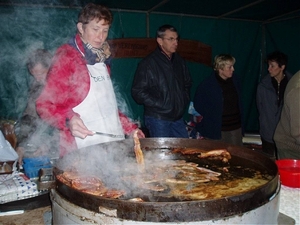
x=109, y=135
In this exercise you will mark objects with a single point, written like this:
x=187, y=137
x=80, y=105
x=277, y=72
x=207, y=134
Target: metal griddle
x=113, y=155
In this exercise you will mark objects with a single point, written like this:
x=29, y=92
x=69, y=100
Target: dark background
x=246, y=29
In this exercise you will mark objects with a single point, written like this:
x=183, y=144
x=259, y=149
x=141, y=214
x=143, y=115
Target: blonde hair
x=221, y=60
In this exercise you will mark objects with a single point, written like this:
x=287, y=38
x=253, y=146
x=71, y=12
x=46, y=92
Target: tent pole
x=263, y=51
x=147, y=25
x=150, y=10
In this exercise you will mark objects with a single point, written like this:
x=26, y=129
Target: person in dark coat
x=218, y=100
x=269, y=98
x=162, y=84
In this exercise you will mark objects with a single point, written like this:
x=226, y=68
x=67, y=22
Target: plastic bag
x=7, y=153
x=196, y=117
x=192, y=110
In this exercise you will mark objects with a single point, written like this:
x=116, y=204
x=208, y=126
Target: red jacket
x=67, y=85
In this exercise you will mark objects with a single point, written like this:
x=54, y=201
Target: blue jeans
x=165, y=128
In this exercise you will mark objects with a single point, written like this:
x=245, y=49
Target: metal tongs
x=109, y=135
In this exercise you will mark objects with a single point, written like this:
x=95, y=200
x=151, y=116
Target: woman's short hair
x=41, y=56
x=221, y=60
x=278, y=57
x=92, y=11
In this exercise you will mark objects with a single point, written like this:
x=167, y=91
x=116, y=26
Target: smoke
x=122, y=101
x=108, y=161
x=24, y=29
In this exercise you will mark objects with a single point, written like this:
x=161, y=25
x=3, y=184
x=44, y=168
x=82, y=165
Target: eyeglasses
x=172, y=39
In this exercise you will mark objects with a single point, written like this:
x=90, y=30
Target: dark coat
x=268, y=108
x=162, y=86
x=208, y=101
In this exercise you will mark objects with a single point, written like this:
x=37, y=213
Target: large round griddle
x=107, y=156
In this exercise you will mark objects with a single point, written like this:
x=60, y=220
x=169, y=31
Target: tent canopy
x=246, y=29
x=260, y=10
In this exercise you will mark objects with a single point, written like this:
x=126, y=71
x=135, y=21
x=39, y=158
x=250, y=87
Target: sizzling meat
x=88, y=184
x=138, y=152
x=216, y=154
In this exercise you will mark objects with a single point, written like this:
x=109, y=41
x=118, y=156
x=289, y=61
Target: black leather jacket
x=162, y=86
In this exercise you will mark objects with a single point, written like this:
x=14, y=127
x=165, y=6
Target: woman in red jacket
x=79, y=98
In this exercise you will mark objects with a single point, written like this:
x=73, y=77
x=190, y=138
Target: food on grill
x=225, y=169
x=190, y=173
x=177, y=174
x=138, y=152
x=221, y=154
x=218, y=154
x=146, y=181
x=154, y=186
x=111, y=193
x=218, y=190
x=187, y=180
x=88, y=184
x=188, y=151
x=94, y=191
x=165, y=175
x=136, y=200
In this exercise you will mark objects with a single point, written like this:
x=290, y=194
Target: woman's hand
x=78, y=129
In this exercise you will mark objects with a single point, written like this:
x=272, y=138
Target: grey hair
x=160, y=33
x=41, y=56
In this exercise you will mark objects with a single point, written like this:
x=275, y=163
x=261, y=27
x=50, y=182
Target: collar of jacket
x=165, y=54
x=78, y=44
x=86, y=53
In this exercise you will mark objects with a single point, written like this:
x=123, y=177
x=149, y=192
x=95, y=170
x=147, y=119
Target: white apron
x=99, y=110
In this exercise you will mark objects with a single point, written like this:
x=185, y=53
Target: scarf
x=102, y=53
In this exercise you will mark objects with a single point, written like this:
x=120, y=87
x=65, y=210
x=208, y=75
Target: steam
x=24, y=29
x=122, y=101
x=108, y=161
x=115, y=164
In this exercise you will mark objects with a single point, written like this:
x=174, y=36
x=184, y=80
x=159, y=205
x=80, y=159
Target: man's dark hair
x=278, y=57
x=160, y=33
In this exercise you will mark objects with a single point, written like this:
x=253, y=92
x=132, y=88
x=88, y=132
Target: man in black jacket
x=162, y=84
